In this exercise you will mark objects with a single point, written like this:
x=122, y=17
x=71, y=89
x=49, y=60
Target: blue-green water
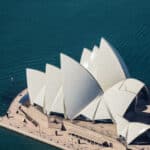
x=12, y=141
x=34, y=32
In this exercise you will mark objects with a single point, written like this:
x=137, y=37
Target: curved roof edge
x=123, y=95
x=53, y=84
x=40, y=98
x=136, y=129
x=132, y=85
x=124, y=92
x=35, y=82
x=116, y=53
x=129, y=130
x=58, y=104
x=85, y=57
x=90, y=109
x=94, y=53
x=77, y=80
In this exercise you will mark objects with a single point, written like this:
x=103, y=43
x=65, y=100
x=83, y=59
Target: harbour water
x=10, y=140
x=33, y=33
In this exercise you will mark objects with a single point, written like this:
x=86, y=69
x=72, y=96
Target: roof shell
x=90, y=109
x=79, y=86
x=40, y=98
x=58, y=104
x=35, y=83
x=134, y=130
x=118, y=98
x=102, y=112
x=122, y=94
x=53, y=84
x=132, y=85
x=85, y=57
x=129, y=130
x=122, y=125
x=109, y=66
x=94, y=53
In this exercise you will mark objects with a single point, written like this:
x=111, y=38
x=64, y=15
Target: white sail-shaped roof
x=85, y=58
x=92, y=66
x=109, y=66
x=134, y=130
x=132, y=85
x=94, y=53
x=122, y=95
x=39, y=100
x=53, y=84
x=58, y=104
x=105, y=45
x=79, y=86
x=35, y=83
x=96, y=110
x=122, y=125
x=102, y=112
x=90, y=109
x=129, y=130
x=121, y=99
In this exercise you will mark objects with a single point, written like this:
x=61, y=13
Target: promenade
x=78, y=135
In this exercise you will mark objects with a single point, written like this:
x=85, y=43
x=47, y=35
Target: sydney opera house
x=98, y=88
